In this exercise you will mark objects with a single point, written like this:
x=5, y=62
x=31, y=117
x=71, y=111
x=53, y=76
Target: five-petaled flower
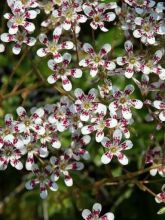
x=141, y=5
x=61, y=167
x=86, y=104
x=58, y=116
x=62, y=71
x=19, y=19
x=161, y=106
x=19, y=38
x=96, y=61
x=154, y=157
x=76, y=149
x=43, y=179
x=32, y=123
x=26, y=4
x=130, y=61
x=122, y=103
x=147, y=29
x=115, y=148
x=97, y=14
x=69, y=15
x=95, y=213
x=10, y=131
x=160, y=197
x=152, y=66
x=12, y=155
x=53, y=47
x=98, y=124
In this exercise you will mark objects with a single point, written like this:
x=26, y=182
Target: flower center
x=44, y=135
x=123, y=100
x=132, y=60
x=97, y=18
x=58, y=2
x=139, y=2
x=29, y=147
x=60, y=115
x=45, y=138
x=63, y=166
x=48, y=7
x=69, y=13
x=19, y=19
x=27, y=123
x=87, y=105
x=114, y=149
x=54, y=20
x=101, y=125
x=7, y=131
x=52, y=47
x=24, y=2
x=97, y=59
x=149, y=64
x=41, y=177
x=20, y=37
x=8, y=152
x=62, y=71
x=75, y=118
x=146, y=28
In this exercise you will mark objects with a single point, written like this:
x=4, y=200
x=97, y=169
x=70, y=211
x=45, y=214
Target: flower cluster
x=146, y=20
x=107, y=110
x=19, y=27
x=38, y=134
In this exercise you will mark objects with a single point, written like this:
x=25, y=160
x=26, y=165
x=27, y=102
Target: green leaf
x=161, y=211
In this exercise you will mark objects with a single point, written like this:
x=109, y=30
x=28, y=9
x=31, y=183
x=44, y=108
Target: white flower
x=62, y=165
x=95, y=61
x=115, y=148
x=161, y=106
x=98, y=15
x=63, y=72
x=43, y=179
x=19, y=19
x=130, y=61
x=147, y=29
x=94, y=214
x=12, y=155
x=69, y=14
x=53, y=47
x=86, y=104
x=2, y=48
x=152, y=66
x=122, y=103
x=19, y=38
x=99, y=123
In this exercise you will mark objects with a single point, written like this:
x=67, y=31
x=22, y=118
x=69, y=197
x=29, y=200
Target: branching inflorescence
x=33, y=140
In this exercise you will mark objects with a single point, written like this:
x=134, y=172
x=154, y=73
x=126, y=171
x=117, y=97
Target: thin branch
x=19, y=83
x=145, y=188
x=29, y=89
x=4, y=87
x=75, y=42
x=45, y=210
x=163, y=158
x=16, y=191
x=128, y=176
